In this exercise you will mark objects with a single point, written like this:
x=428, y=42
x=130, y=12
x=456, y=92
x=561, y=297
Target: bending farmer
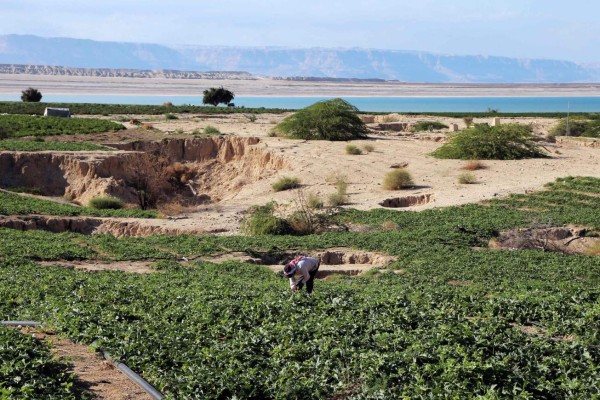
x=307, y=267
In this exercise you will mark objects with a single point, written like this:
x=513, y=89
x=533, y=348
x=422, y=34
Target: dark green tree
x=31, y=95
x=333, y=119
x=216, y=96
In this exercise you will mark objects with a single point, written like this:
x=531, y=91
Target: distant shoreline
x=266, y=87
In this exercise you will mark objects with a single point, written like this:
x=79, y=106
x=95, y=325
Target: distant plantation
x=31, y=125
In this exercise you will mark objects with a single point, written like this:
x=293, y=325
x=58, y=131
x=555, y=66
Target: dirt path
x=94, y=373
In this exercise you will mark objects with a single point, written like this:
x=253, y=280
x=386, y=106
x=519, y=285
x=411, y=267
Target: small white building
x=57, y=112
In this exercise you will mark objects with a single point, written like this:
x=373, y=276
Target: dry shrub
x=314, y=201
x=340, y=197
x=389, y=226
x=391, y=118
x=467, y=178
x=397, y=179
x=168, y=104
x=368, y=148
x=286, y=183
x=473, y=165
x=147, y=125
x=337, y=199
x=352, y=149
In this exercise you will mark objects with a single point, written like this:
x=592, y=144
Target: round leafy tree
x=326, y=120
x=216, y=96
x=31, y=95
x=504, y=142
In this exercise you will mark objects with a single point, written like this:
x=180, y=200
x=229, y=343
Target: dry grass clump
x=467, y=178
x=389, y=226
x=473, y=165
x=211, y=130
x=340, y=197
x=168, y=104
x=353, y=150
x=368, y=148
x=147, y=125
x=397, y=179
x=391, y=118
x=314, y=201
x=286, y=183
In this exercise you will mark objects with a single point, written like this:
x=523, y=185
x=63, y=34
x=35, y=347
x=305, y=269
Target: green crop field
x=450, y=319
x=30, y=371
x=14, y=126
x=15, y=204
x=32, y=145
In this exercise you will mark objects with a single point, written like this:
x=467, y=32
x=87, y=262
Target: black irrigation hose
x=141, y=382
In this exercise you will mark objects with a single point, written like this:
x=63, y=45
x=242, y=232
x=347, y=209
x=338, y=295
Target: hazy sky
x=556, y=29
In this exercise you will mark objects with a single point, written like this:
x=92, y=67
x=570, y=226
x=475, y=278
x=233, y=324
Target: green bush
x=397, y=179
x=504, y=142
x=261, y=220
x=286, y=183
x=169, y=116
x=352, y=149
x=577, y=127
x=325, y=120
x=106, y=203
x=427, y=126
x=210, y=130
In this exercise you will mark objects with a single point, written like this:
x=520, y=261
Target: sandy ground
x=15, y=83
x=317, y=162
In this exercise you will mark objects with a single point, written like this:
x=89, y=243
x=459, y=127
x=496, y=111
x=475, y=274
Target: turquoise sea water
x=387, y=104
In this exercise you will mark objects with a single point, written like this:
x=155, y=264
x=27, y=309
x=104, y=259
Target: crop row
x=33, y=145
x=29, y=370
x=12, y=126
x=15, y=204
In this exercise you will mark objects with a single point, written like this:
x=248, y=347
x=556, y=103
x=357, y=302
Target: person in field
x=306, y=267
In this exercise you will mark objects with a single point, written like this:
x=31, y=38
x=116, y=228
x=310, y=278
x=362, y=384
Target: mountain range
x=406, y=66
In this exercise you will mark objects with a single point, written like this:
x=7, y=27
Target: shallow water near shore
x=384, y=104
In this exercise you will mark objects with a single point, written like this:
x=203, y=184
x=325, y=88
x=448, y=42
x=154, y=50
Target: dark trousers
x=311, y=280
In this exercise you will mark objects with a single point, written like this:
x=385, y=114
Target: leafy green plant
x=325, y=120
x=170, y=116
x=29, y=371
x=261, y=220
x=467, y=178
x=428, y=126
x=250, y=117
x=106, y=203
x=504, y=142
x=352, y=149
x=286, y=183
x=397, y=179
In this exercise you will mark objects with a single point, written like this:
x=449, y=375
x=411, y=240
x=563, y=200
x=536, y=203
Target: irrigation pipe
x=21, y=323
x=138, y=380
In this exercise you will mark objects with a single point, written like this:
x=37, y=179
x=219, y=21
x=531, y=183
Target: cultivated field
x=482, y=289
